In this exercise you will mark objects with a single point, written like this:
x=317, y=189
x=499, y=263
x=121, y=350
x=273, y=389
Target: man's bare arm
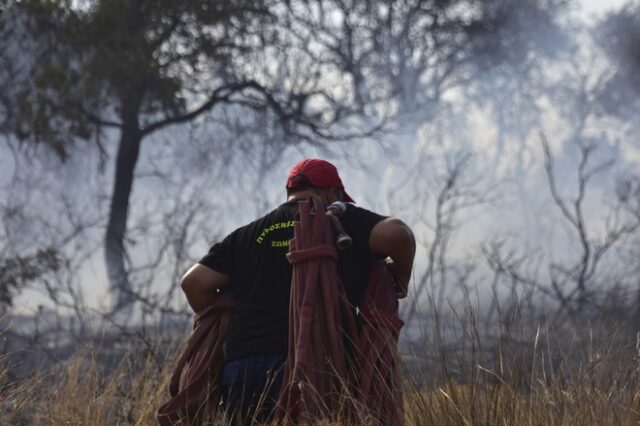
x=201, y=285
x=393, y=238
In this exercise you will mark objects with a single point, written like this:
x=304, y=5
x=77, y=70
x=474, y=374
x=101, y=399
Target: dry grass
x=499, y=403
x=79, y=393
x=603, y=389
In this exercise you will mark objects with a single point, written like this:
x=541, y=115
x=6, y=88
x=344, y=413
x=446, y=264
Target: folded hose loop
x=384, y=320
x=379, y=388
x=317, y=374
x=335, y=369
x=304, y=255
x=193, y=389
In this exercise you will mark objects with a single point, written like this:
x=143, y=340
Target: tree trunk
x=115, y=251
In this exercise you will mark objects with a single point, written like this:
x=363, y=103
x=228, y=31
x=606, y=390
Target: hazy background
x=464, y=167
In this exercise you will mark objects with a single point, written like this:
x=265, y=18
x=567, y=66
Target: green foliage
x=619, y=36
x=125, y=63
x=17, y=272
x=141, y=63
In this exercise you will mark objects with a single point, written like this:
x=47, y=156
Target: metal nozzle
x=343, y=241
x=337, y=208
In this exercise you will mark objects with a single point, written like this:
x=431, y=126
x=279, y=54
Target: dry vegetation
x=554, y=379
x=80, y=392
x=601, y=392
x=488, y=371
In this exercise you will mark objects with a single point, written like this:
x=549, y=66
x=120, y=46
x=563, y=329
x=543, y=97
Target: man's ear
x=335, y=194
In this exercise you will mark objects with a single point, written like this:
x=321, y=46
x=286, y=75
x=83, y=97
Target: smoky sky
x=217, y=181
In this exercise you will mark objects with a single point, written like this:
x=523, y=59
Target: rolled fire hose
x=378, y=382
x=316, y=373
x=193, y=388
x=333, y=370
x=328, y=358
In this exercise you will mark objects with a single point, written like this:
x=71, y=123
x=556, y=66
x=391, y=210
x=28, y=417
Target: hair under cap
x=321, y=174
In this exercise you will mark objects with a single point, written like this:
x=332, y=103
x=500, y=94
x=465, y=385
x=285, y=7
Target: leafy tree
x=414, y=51
x=8, y=68
x=17, y=272
x=619, y=36
x=138, y=66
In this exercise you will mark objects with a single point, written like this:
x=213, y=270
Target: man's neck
x=300, y=196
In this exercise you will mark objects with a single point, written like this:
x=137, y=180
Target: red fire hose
x=378, y=386
x=333, y=371
x=193, y=387
x=316, y=376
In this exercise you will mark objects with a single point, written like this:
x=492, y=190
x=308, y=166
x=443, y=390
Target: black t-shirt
x=254, y=256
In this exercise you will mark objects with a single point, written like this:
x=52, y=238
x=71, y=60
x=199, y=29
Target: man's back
x=254, y=256
x=251, y=263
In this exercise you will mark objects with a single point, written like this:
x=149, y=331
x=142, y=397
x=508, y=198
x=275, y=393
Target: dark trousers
x=250, y=387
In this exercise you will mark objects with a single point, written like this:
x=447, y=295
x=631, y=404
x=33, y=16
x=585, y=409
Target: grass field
x=537, y=385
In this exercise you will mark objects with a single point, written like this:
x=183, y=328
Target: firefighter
x=251, y=263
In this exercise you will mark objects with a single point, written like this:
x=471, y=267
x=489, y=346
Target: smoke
x=481, y=117
x=618, y=35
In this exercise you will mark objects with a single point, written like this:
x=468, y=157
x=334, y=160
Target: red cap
x=321, y=174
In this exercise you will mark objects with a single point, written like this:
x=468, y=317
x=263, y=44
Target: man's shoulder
x=359, y=222
x=357, y=211
x=282, y=212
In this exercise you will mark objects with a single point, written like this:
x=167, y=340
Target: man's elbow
x=394, y=239
x=202, y=279
x=190, y=281
x=390, y=236
x=201, y=285
x=187, y=283
x=403, y=233
x=192, y=285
